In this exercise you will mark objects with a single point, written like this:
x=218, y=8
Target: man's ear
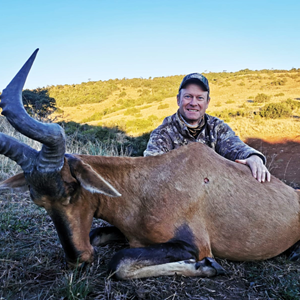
x=178, y=99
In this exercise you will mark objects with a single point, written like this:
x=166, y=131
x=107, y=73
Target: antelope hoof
x=210, y=262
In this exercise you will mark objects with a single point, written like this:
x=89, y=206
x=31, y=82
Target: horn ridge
x=17, y=151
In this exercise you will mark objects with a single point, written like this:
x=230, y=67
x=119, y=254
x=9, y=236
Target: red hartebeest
x=176, y=210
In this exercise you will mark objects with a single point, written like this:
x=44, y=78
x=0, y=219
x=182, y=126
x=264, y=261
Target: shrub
x=276, y=111
x=226, y=84
x=95, y=117
x=279, y=82
x=261, y=98
x=122, y=94
x=131, y=111
x=163, y=106
x=279, y=95
x=152, y=118
x=229, y=101
x=145, y=93
x=103, y=140
x=293, y=104
x=228, y=113
x=38, y=103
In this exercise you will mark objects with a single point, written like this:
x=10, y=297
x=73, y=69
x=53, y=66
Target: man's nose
x=193, y=100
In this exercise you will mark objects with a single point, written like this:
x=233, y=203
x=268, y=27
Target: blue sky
x=101, y=40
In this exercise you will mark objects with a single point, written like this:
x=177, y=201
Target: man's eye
x=200, y=98
x=187, y=96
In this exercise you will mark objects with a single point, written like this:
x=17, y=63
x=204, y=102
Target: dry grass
x=32, y=267
x=32, y=264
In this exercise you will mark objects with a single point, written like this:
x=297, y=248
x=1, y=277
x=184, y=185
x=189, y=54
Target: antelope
x=177, y=211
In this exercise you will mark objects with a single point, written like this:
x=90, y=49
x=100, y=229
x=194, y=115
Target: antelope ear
x=92, y=181
x=16, y=182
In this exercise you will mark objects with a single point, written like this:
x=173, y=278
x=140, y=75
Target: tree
x=38, y=103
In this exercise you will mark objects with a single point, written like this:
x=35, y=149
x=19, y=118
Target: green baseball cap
x=195, y=78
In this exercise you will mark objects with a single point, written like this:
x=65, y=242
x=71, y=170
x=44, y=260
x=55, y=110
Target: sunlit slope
x=139, y=105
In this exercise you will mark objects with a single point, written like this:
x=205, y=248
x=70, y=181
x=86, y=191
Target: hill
x=254, y=103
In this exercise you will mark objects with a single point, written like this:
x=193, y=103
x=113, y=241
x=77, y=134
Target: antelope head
x=55, y=180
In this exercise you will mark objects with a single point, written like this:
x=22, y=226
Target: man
x=191, y=124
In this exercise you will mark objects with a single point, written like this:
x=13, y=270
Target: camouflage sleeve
x=159, y=143
x=231, y=147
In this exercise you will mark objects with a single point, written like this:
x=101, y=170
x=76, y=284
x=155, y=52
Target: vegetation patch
x=276, y=111
x=261, y=98
x=163, y=106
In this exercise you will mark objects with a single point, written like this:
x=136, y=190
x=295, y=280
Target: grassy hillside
x=244, y=99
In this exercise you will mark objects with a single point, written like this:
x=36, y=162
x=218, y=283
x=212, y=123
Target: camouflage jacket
x=216, y=134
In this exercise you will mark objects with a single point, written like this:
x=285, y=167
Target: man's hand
x=257, y=167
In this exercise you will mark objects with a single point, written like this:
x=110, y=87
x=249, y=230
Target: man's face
x=192, y=102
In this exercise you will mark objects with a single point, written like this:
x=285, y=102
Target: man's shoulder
x=215, y=123
x=167, y=124
x=213, y=120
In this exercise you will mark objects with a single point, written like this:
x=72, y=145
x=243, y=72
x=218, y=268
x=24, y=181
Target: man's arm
x=230, y=146
x=159, y=143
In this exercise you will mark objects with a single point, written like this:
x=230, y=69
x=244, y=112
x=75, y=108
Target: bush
x=131, y=111
x=38, y=103
x=163, y=106
x=276, y=111
x=122, y=94
x=229, y=101
x=279, y=82
x=261, y=98
x=106, y=138
x=293, y=104
x=228, y=113
x=279, y=95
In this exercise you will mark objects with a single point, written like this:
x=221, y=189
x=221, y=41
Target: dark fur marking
x=112, y=233
x=65, y=236
x=181, y=247
x=45, y=183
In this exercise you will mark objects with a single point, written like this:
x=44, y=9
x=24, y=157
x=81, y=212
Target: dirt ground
x=283, y=157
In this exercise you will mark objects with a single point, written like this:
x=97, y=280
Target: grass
x=32, y=264
x=229, y=91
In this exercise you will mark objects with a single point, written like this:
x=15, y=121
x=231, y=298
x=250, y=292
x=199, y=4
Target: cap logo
x=196, y=76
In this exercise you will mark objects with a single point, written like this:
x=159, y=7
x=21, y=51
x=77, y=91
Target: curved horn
x=19, y=152
x=51, y=157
